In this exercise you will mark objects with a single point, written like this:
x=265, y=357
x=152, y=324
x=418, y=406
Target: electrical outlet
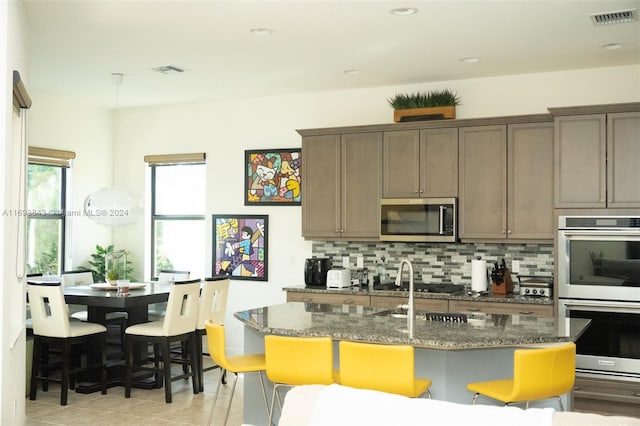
x=345, y=262
x=360, y=262
x=515, y=266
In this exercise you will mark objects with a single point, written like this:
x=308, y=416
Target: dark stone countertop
x=509, y=298
x=370, y=324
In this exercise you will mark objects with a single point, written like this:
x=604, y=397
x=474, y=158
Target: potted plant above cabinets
x=432, y=105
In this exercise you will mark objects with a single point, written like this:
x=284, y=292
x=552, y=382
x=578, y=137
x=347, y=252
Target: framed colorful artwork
x=240, y=246
x=273, y=177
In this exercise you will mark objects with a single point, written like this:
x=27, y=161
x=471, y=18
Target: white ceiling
x=76, y=45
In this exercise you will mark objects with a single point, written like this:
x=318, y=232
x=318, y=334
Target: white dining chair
x=166, y=276
x=84, y=277
x=53, y=329
x=212, y=307
x=178, y=325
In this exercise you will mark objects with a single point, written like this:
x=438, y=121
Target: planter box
x=421, y=114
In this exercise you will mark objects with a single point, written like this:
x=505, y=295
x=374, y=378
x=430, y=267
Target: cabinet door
x=580, y=161
x=501, y=308
x=623, y=159
x=530, y=181
x=321, y=186
x=483, y=177
x=401, y=164
x=331, y=299
x=361, y=180
x=439, y=160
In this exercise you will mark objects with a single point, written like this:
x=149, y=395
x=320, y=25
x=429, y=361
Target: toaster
x=339, y=278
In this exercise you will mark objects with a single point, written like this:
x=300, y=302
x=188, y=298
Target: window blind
x=50, y=157
x=193, y=158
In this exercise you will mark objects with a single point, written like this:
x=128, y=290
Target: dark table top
x=153, y=292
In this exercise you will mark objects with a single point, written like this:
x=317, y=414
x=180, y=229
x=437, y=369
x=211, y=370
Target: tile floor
x=145, y=407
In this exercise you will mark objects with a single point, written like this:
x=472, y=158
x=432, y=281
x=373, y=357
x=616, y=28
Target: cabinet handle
x=577, y=388
x=503, y=231
x=635, y=394
x=525, y=312
x=509, y=231
x=306, y=299
x=416, y=191
x=347, y=302
x=475, y=310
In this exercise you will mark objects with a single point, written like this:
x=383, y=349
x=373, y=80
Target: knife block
x=504, y=287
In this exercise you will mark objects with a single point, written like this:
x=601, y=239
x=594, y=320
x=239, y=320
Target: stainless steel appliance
x=418, y=219
x=315, y=271
x=535, y=286
x=339, y=278
x=599, y=279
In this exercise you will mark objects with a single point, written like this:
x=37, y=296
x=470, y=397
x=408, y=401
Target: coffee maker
x=315, y=271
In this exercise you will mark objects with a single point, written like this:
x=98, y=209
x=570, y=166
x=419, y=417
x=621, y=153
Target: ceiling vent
x=168, y=69
x=616, y=17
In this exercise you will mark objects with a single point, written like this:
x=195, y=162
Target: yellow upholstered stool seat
x=537, y=374
x=386, y=368
x=292, y=361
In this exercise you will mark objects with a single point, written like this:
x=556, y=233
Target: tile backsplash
x=438, y=262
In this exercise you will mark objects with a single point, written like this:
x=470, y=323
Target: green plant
x=103, y=270
x=429, y=99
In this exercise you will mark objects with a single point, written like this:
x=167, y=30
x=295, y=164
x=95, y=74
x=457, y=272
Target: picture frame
x=273, y=177
x=240, y=246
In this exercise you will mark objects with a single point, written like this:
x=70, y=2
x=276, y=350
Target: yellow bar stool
x=386, y=368
x=537, y=374
x=254, y=363
x=293, y=361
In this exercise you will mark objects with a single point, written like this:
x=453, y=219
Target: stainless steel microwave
x=418, y=219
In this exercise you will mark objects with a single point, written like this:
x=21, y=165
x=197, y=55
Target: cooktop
x=442, y=288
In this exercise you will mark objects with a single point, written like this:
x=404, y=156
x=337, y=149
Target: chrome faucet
x=410, y=306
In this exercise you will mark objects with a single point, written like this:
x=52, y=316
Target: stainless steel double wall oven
x=599, y=279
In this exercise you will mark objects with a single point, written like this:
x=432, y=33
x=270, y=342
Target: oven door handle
x=600, y=306
x=601, y=233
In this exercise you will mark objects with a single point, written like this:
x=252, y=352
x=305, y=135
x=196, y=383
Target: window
x=47, y=175
x=178, y=213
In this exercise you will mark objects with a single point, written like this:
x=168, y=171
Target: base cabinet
x=437, y=305
x=608, y=397
x=501, y=308
x=331, y=299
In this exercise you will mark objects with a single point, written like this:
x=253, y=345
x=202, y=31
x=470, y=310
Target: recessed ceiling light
x=612, y=46
x=470, y=60
x=261, y=31
x=404, y=11
x=352, y=72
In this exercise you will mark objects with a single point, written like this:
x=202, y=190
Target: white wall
x=225, y=129
x=62, y=123
x=13, y=48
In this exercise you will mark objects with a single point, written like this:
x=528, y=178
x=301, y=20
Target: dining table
x=101, y=299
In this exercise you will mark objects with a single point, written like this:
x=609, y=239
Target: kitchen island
x=450, y=353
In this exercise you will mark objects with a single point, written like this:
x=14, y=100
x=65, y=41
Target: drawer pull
x=307, y=299
x=348, y=302
x=526, y=312
x=635, y=394
x=475, y=309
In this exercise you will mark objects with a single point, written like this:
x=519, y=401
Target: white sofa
x=336, y=405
